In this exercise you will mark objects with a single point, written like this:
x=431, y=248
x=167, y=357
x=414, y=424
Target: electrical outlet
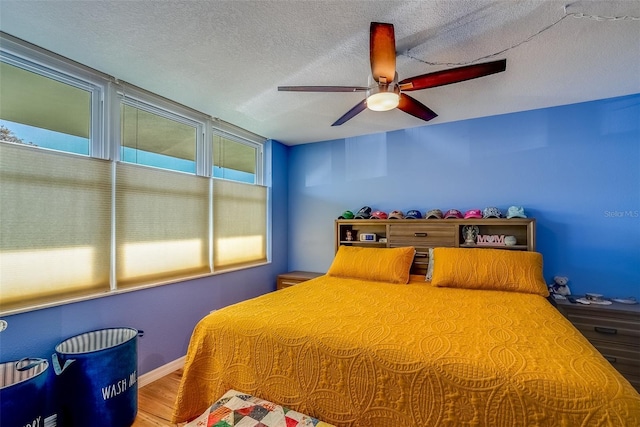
x=3, y=325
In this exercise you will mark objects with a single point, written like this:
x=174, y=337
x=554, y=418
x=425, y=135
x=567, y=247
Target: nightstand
x=295, y=277
x=614, y=330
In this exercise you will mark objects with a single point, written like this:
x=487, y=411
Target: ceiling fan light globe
x=383, y=101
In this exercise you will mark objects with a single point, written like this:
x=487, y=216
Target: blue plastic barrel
x=23, y=393
x=97, y=378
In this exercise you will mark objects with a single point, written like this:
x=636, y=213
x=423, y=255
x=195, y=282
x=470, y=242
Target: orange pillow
x=489, y=269
x=377, y=264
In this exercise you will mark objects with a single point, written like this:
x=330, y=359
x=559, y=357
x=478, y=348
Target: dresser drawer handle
x=610, y=331
x=610, y=359
x=419, y=234
x=284, y=282
x=420, y=255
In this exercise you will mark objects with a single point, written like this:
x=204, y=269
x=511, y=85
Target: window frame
x=131, y=96
x=259, y=159
x=46, y=64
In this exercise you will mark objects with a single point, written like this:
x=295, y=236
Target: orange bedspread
x=359, y=353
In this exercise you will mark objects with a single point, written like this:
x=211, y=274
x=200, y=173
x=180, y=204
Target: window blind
x=39, y=101
x=55, y=222
x=162, y=225
x=154, y=140
x=232, y=155
x=239, y=224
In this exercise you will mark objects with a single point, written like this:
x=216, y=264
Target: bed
x=368, y=344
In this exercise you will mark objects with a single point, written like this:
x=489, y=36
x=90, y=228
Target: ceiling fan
x=387, y=93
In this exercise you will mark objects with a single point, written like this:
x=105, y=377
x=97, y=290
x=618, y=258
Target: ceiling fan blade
x=382, y=51
x=414, y=107
x=357, y=109
x=322, y=88
x=453, y=75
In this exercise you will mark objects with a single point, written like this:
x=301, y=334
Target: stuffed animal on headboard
x=560, y=286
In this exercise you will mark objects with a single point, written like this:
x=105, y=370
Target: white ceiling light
x=384, y=97
x=379, y=100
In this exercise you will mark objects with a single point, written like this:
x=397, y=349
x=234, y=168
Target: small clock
x=367, y=237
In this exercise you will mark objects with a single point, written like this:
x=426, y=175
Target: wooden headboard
x=430, y=233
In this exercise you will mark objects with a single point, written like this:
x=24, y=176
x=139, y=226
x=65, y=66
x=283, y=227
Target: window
x=56, y=225
x=240, y=224
x=131, y=189
x=234, y=160
x=239, y=205
x=155, y=139
x=162, y=225
x=43, y=111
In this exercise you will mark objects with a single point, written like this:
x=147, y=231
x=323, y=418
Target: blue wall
x=575, y=168
x=167, y=314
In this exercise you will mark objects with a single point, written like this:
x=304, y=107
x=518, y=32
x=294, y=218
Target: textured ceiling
x=227, y=58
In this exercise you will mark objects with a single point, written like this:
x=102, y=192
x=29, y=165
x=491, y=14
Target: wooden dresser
x=614, y=330
x=430, y=233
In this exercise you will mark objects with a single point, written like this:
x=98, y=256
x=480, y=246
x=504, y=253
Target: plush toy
x=560, y=286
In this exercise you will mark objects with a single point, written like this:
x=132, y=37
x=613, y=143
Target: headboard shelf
x=430, y=233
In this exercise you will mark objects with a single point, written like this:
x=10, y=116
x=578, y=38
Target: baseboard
x=160, y=372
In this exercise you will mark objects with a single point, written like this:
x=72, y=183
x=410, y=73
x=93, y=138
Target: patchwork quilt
x=243, y=410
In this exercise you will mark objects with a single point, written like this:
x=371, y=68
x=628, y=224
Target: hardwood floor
x=155, y=401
